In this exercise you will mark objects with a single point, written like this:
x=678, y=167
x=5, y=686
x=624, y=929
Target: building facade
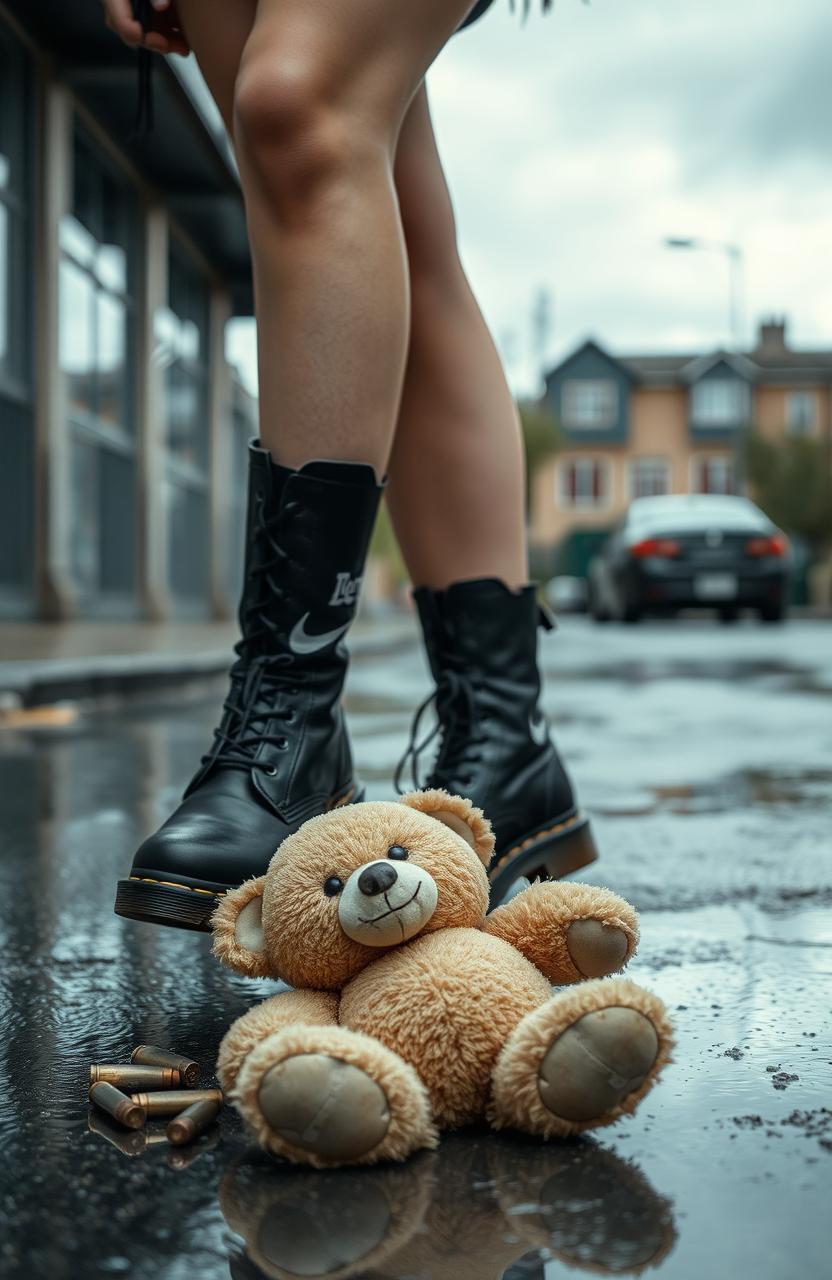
x=637, y=426
x=122, y=259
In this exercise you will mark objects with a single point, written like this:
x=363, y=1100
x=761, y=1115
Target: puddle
x=744, y=789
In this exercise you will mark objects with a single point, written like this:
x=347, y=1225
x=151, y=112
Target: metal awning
x=187, y=156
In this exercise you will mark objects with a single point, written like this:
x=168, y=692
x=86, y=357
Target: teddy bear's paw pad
x=597, y=949
x=325, y=1106
x=596, y=1062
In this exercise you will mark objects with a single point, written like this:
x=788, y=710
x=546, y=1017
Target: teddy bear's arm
x=289, y=1008
x=568, y=931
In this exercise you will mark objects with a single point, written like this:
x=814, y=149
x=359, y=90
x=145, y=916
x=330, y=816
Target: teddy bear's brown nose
x=377, y=878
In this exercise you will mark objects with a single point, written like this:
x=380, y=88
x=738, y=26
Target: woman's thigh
x=427, y=212
x=366, y=56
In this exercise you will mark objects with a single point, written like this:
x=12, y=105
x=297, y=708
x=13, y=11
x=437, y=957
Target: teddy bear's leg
x=581, y=1060
x=328, y=1096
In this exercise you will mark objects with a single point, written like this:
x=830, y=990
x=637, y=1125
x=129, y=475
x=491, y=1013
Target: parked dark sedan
x=680, y=552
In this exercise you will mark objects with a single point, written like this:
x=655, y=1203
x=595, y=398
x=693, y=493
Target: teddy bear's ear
x=460, y=815
x=238, y=930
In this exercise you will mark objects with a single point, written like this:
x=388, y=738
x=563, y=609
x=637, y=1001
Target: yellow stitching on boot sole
x=172, y=884
x=539, y=835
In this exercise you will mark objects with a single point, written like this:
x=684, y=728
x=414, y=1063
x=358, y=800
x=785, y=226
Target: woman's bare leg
x=318, y=102
x=457, y=486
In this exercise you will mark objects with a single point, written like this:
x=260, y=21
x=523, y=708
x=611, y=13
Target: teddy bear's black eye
x=397, y=851
x=332, y=886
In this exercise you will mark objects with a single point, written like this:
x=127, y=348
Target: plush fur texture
x=516, y=1101
x=451, y=1024
x=537, y=924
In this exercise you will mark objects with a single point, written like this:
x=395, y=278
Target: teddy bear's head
x=355, y=882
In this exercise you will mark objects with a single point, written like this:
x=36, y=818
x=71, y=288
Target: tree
x=791, y=480
x=541, y=437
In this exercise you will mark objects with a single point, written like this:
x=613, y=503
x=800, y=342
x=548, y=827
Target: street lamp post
x=733, y=252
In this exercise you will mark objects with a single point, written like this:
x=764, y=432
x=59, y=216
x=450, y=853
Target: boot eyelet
x=282, y=745
x=271, y=771
x=290, y=716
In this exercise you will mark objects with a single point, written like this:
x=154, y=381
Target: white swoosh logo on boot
x=539, y=729
x=301, y=642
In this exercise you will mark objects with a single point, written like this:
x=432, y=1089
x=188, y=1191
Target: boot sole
x=551, y=851
x=177, y=903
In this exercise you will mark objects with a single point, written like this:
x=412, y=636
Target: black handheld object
x=143, y=122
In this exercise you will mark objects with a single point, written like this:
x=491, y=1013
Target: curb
x=100, y=678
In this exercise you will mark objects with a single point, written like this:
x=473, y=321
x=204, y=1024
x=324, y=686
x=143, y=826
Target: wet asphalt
x=704, y=754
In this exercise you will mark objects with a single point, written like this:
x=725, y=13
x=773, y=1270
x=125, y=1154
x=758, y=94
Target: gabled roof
x=742, y=366
x=671, y=369
x=589, y=344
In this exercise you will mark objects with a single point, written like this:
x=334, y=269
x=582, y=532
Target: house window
x=712, y=474
x=589, y=403
x=719, y=402
x=583, y=482
x=649, y=477
x=801, y=412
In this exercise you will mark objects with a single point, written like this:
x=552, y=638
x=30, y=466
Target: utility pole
x=734, y=255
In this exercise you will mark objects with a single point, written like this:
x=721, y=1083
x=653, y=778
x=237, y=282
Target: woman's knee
x=293, y=133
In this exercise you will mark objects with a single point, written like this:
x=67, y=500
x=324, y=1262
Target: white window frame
x=589, y=404
x=662, y=464
x=795, y=424
x=696, y=462
x=564, y=499
x=706, y=411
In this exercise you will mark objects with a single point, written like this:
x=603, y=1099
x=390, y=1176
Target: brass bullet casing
x=135, y=1077
x=126, y=1110
x=178, y=1100
x=130, y=1142
x=153, y=1056
x=191, y=1123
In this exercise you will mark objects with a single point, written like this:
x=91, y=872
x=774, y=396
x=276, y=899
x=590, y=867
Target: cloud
x=575, y=144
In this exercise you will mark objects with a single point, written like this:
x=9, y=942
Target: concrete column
x=153, y=533
x=56, y=597
x=220, y=442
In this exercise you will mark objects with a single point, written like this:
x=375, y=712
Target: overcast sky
x=574, y=143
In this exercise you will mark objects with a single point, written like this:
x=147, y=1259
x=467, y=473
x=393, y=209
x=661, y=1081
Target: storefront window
x=182, y=347
x=16, y=433
x=99, y=245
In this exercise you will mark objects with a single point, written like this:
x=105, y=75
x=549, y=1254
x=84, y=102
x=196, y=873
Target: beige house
x=634, y=426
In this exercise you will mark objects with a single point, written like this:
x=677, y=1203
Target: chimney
x=771, y=337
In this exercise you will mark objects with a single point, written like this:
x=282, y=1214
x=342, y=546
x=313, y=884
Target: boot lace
x=454, y=702
x=259, y=678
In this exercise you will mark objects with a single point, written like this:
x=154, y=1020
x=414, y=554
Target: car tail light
x=664, y=548
x=775, y=545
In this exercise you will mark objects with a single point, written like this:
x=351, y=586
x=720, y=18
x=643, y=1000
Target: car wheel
x=772, y=613
x=596, y=610
x=727, y=616
x=628, y=610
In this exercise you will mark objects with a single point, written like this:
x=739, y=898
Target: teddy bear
x=413, y=1010
x=472, y=1209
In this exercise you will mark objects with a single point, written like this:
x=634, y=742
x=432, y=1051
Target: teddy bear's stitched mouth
x=393, y=910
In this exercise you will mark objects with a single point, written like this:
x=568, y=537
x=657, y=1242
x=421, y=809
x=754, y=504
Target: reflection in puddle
x=482, y=1206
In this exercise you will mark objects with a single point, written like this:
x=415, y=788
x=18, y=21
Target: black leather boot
x=281, y=753
x=494, y=744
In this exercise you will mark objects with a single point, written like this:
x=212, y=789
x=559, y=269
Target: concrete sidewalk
x=42, y=663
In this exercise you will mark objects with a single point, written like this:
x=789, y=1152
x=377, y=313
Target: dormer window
x=719, y=402
x=589, y=403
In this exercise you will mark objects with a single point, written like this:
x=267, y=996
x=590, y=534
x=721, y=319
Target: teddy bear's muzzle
x=382, y=904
